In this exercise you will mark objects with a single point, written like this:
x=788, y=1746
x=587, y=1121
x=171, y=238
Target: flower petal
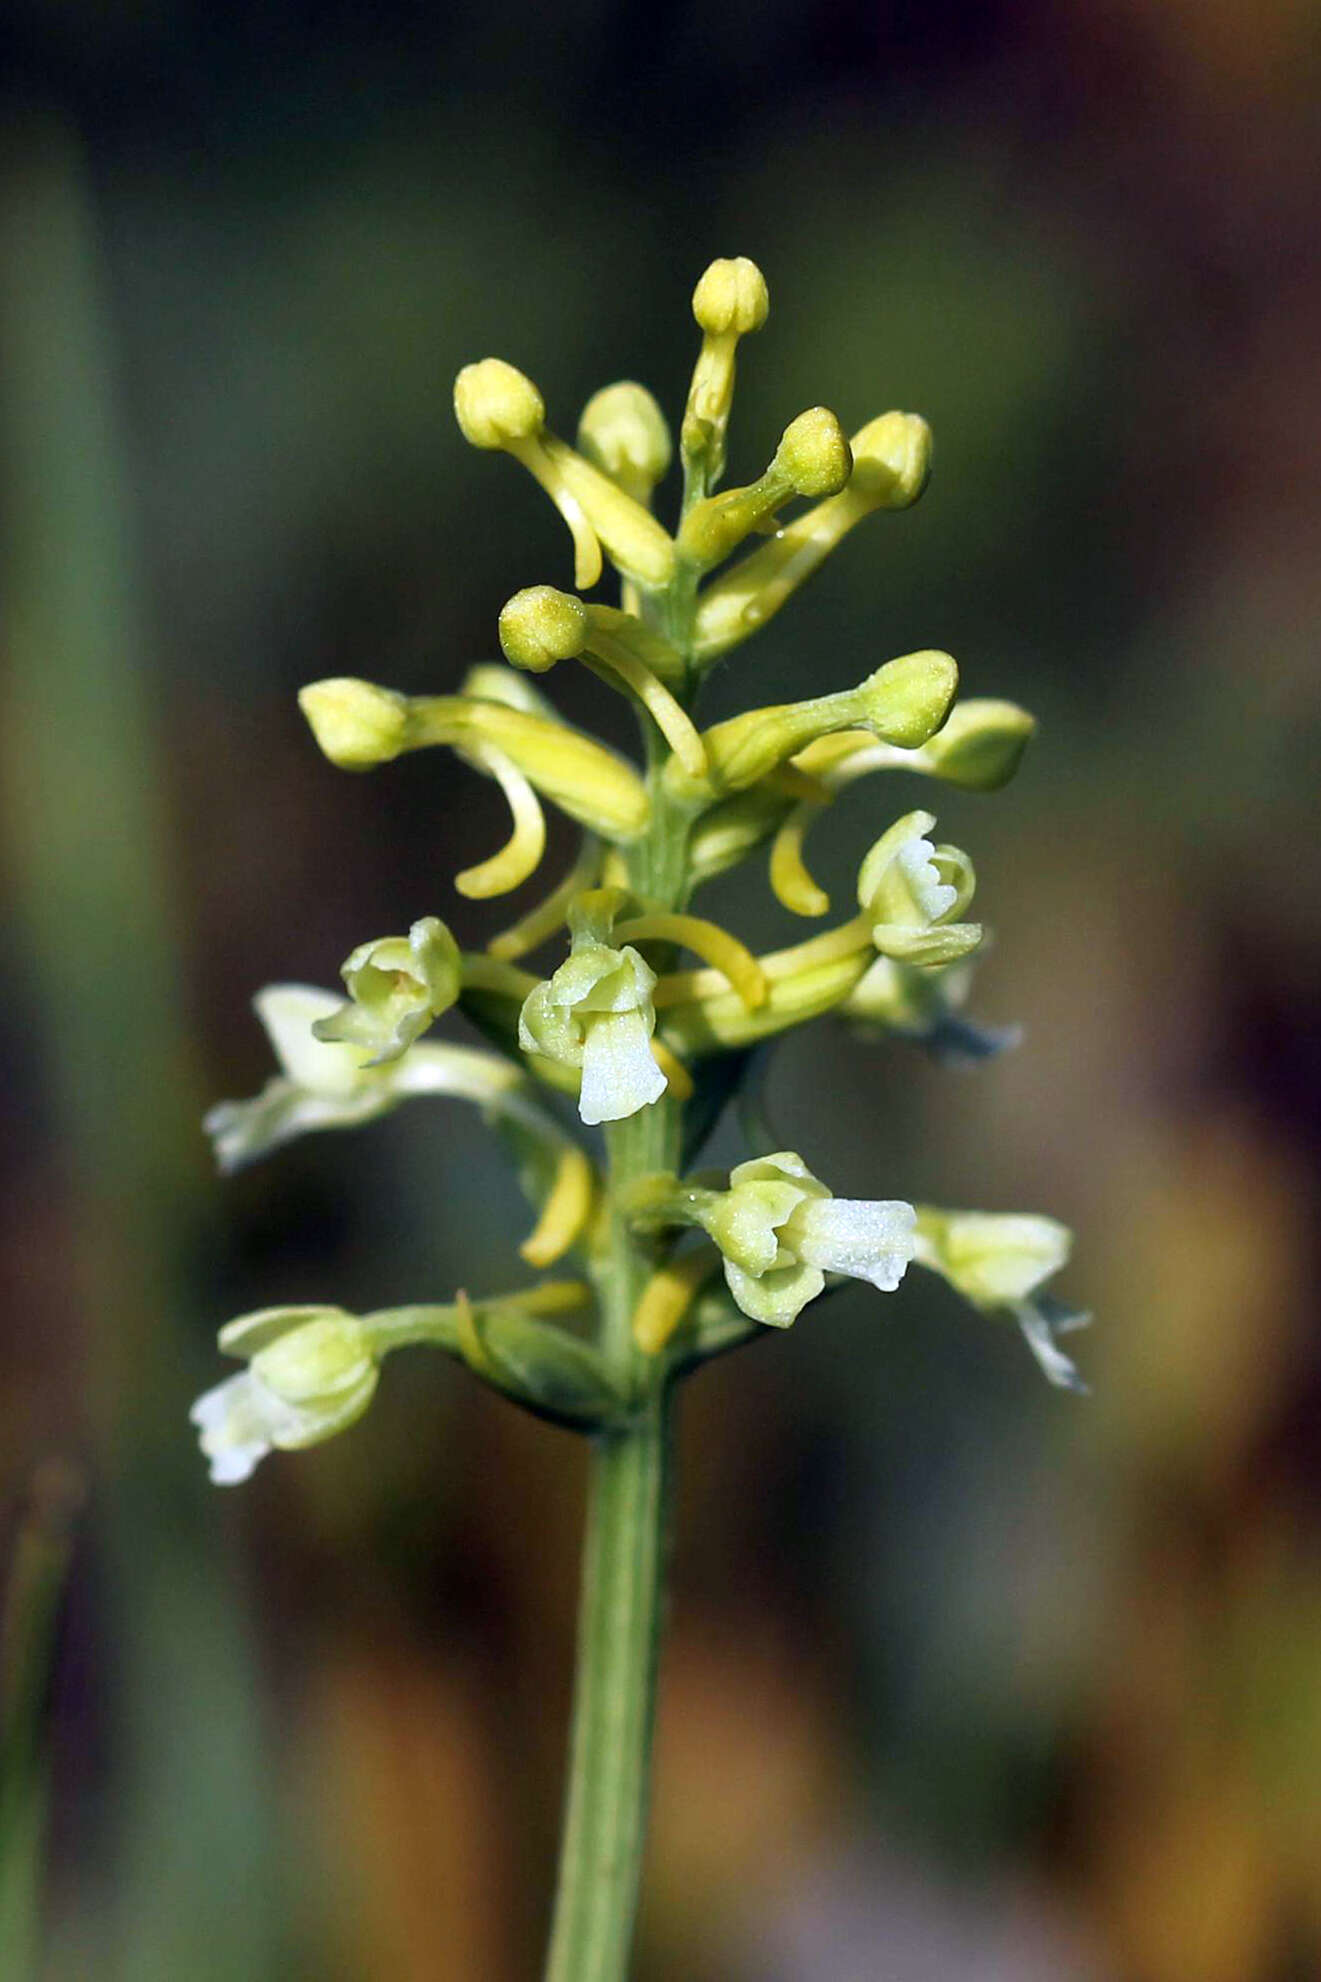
x=778, y=1297
x=241, y=1131
x=870, y=1239
x=1041, y=1327
x=288, y=1012
x=620, y=1074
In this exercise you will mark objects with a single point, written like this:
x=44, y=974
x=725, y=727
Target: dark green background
x=964, y=1677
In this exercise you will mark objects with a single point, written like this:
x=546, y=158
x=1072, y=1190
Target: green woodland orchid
x=642, y=1016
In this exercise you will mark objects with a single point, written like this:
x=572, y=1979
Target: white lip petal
x=238, y=1422
x=916, y=862
x=241, y=1131
x=870, y=1239
x=235, y=1463
x=620, y=1074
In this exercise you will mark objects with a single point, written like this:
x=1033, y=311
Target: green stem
x=610, y=1750
x=620, y=1611
x=622, y=1594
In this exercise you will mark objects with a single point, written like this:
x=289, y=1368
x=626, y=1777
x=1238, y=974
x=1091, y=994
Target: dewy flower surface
x=677, y=1264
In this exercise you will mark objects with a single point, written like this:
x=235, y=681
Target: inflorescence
x=616, y=1023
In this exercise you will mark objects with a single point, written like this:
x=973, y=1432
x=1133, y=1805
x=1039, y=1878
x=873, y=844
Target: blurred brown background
x=964, y=1677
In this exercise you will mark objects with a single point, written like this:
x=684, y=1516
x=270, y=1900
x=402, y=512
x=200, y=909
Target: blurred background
x=964, y=1676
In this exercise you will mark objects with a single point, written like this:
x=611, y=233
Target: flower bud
x=588, y=781
x=623, y=433
x=731, y=298
x=980, y=746
x=357, y=724
x=311, y=1373
x=907, y=699
x=397, y=985
x=498, y=408
x=812, y=459
x=903, y=702
x=729, y=301
x=540, y=626
x=494, y=404
x=814, y=453
x=891, y=461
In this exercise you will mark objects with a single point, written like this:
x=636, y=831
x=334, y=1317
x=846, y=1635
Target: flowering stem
x=622, y=1592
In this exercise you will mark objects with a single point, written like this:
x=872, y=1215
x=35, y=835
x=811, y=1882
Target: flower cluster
x=643, y=1041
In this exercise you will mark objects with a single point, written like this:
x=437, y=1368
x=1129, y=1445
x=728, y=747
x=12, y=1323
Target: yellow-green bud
x=813, y=459
x=903, y=702
x=728, y=302
x=540, y=626
x=494, y=404
x=357, y=724
x=731, y=298
x=980, y=746
x=892, y=460
x=814, y=453
x=907, y=700
x=623, y=433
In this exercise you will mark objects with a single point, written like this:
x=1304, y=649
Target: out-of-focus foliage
x=1068, y=1722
